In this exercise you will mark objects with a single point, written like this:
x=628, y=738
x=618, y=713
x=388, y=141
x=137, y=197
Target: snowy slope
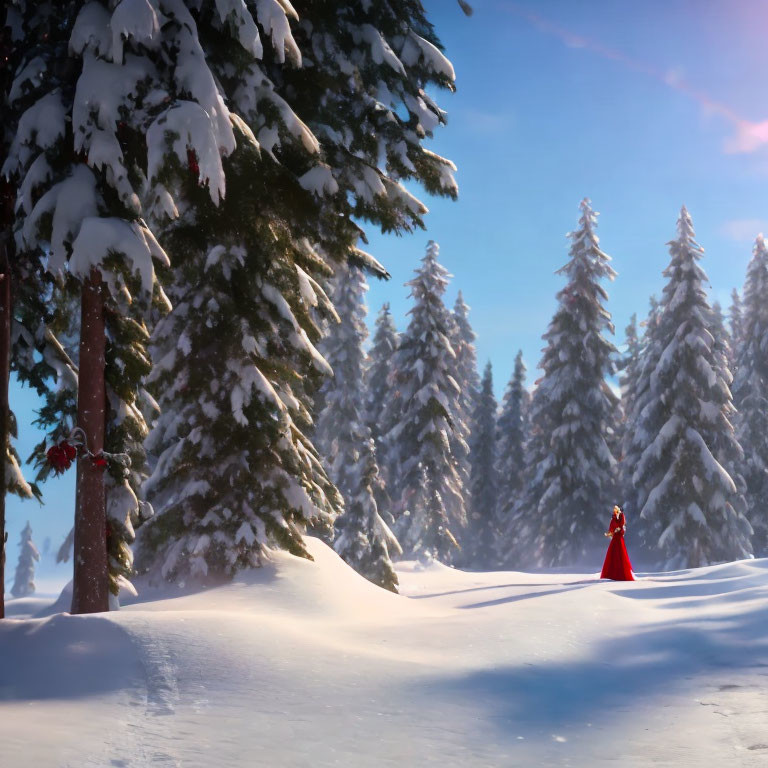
x=306, y=664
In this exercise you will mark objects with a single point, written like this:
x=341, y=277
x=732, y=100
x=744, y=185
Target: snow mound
x=287, y=586
x=304, y=663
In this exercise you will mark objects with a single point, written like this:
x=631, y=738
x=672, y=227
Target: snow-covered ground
x=306, y=664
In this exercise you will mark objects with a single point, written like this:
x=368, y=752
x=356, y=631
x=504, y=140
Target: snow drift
x=306, y=664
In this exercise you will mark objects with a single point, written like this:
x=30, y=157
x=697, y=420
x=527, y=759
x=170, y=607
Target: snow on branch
x=380, y=49
x=273, y=17
x=319, y=181
x=136, y=19
x=238, y=15
x=92, y=31
x=71, y=201
x=39, y=128
x=416, y=48
x=188, y=126
x=100, y=237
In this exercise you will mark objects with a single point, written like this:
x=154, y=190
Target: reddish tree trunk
x=5, y=369
x=90, y=593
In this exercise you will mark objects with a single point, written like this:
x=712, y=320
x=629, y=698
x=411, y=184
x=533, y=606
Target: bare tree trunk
x=90, y=593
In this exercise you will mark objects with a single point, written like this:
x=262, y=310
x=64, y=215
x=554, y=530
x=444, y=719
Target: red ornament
x=99, y=461
x=61, y=456
x=192, y=163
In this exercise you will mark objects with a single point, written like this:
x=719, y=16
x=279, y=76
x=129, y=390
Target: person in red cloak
x=617, y=565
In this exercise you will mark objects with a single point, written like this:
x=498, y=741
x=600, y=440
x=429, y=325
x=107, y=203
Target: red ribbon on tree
x=61, y=456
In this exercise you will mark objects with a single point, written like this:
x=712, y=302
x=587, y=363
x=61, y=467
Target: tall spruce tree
x=723, y=342
x=639, y=402
x=24, y=581
x=570, y=472
x=736, y=326
x=510, y=461
x=25, y=287
x=377, y=385
x=463, y=338
x=692, y=511
x=425, y=409
x=250, y=268
x=750, y=394
x=628, y=368
x=482, y=528
x=100, y=77
x=340, y=428
x=344, y=439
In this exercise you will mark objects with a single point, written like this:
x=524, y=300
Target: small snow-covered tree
x=510, y=440
x=482, y=528
x=570, y=472
x=24, y=581
x=692, y=511
x=424, y=412
x=750, y=394
x=363, y=539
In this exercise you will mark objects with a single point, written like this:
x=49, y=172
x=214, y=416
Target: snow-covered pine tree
x=463, y=338
x=363, y=539
x=639, y=402
x=628, y=367
x=234, y=470
x=344, y=439
x=102, y=76
x=16, y=277
x=510, y=440
x=723, y=342
x=482, y=533
x=377, y=385
x=24, y=580
x=297, y=183
x=366, y=98
x=727, y=454
x=691, y=508
x=570, y=472
x=735, y=326
x=750, y=395
x=340, y=429
x=424, y=420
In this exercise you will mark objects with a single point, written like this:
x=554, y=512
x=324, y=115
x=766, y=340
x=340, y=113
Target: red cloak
x=617, y=565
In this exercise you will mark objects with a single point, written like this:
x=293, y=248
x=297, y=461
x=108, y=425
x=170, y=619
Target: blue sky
x=635, y=105
x=640, y=106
